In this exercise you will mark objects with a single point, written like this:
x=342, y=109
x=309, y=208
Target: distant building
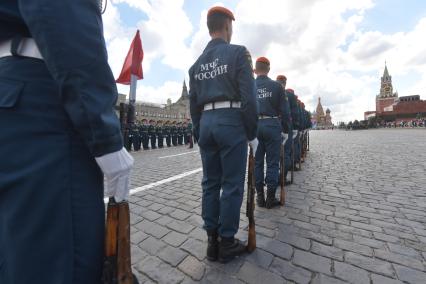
x=319, y=119
x=390, y=107
x=178, y=111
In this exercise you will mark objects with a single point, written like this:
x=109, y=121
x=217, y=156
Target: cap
x=220, y=10
x=290, y=90
x=281, y=78
x=263, y=60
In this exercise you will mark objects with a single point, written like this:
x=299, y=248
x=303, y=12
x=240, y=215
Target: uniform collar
x=215, y=41
x=262, y=77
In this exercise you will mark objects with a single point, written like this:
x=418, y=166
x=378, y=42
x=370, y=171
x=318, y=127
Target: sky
x=333, y=49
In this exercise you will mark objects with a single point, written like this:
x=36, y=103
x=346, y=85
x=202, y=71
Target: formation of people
x=230, y=109
x=151, y=134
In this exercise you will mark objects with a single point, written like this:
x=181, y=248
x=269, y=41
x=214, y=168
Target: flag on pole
x=133, y=62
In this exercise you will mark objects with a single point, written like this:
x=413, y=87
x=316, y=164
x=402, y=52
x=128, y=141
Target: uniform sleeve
x=70, y=38
x=194, y=108
x=284, y=111
x=247, y=91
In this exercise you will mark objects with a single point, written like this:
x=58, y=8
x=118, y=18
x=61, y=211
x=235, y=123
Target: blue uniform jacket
x=76, y=58
x=271, y=99
x=293, y=109
x=223, y=72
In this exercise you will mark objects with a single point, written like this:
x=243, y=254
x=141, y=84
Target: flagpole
x=132, y=99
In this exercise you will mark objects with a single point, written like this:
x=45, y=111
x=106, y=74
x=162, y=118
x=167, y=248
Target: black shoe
x=230, y=248
x=260, y=198
x=287, y=182
x=271, y=201
x=212, y=245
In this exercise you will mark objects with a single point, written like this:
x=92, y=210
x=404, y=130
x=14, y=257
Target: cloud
x=318, y=44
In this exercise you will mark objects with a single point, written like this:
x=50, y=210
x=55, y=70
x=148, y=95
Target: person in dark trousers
x=271, y=101
x=59, y=138
x=224, y=115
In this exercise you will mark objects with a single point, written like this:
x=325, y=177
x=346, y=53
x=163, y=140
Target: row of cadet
x=157, y=134
x=293, y=121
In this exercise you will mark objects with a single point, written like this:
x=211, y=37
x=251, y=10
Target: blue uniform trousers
x=51, y=189
x=145, y=141
x=153, y=139
x=269, y=136
x=297, y=148
x=223, y=147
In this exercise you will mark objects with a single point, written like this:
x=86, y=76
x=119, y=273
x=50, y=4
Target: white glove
x=294, y=133
x=253, y=145
x=284, y=136
x=116, y=167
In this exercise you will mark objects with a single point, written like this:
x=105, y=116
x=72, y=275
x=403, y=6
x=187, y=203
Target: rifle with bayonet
x=251, y=243
x=117, y=264
x=282, y=175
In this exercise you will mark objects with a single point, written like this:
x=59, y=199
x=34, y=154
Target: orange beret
x=290, y=90
x=263, y=60
x=220, y=10
x=281, y=78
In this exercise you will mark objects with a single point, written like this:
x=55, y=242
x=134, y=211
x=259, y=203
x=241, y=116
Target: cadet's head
x=291, y=91
x=262, y=66
x=219, y=23
x=282, y=80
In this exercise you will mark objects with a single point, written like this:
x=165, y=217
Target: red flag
x=133, y=62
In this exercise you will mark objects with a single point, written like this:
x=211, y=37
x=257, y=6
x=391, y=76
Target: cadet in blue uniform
x=160, y=135
x=271, y=102
x=288, y=139
x=152, y=134
x=167, y=133
x=173, y=131
x=294, y=119
x=224, y=116
x=297, y=142
x=143, y=132
x=59, y=134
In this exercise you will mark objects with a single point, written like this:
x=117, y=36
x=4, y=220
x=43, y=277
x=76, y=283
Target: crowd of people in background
x=151, y=134
x=367, y=124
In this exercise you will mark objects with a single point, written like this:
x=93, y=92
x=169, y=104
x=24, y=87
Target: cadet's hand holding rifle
x=284, y=137
x=295, y=133
x=116, y=167
x=253, y=145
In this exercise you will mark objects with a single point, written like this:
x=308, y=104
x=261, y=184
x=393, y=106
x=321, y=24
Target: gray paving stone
x=386, y=237
x=327, y=251
x=152, y=229
x=404, y=250
x=195, y=248
x=324, y=279
x=180, y=226
x=369, y=242
x=410, y=275
x=253, y=274
x=290, y=271
x=172, y=255
x=379, y=279
x=294, y=240
x=152, y=245
x=192, y=267
x=215, y=276
x=354, y=247
x=175, y=239
x=159, y=271
x=138, y=237
x=370, y=264
x=260, y=258
x=277, y=248
x=398, y=258
x=351, y=273
x=312, y=262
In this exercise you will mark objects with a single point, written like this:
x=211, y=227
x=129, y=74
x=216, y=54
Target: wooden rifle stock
x=117, y=265
x=251, y=243
x=282, y=176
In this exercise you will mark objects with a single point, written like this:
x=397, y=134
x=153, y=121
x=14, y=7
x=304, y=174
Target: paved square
x=356, y=214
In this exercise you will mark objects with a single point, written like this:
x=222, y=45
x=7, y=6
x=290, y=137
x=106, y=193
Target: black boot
x=212, y=245
x=230, y=248
x=271, y=201
x=260, y=197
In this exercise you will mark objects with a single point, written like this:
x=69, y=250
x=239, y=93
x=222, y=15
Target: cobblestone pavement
x=356, y=214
